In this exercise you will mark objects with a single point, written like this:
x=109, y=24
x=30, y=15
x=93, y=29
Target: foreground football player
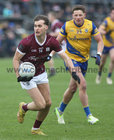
x=36, y=49
x=78, y=33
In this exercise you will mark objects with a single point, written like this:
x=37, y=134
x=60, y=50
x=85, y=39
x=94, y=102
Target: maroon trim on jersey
x=57, y=24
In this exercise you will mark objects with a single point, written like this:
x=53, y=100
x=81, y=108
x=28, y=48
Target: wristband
x=50, y=55
x=99, y=53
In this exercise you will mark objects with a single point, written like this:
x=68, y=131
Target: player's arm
x=69, y=64
x=16, y=60
x=60, y=38
x=102, y=27
x=97, y=36
x=102, y=30
x=62, y=34
x=100, y=44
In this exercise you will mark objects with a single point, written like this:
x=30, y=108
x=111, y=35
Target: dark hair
x=79, y=7
x=42, y=17
x=112, y=8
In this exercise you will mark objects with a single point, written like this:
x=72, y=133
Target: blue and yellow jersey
x=108, y=38
x=78, y=39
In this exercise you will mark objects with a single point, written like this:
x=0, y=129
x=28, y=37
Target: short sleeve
x=22, y=47
x=94, y=29
x=56, y=46
x=104, y=23
x=63, y=30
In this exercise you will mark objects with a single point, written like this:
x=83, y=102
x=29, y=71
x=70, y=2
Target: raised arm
x=102, y=29
x=60, y=38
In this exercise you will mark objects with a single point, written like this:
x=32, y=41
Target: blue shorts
x=83, y=66
x=107, y=49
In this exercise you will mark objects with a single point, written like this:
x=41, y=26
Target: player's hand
x=48, y=58
x=76, y=78
x=24, y=79
x=98, y=58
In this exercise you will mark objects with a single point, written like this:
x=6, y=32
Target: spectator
x=10, y=43
x=8, y=11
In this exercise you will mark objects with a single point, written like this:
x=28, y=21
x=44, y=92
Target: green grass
x=101, y=100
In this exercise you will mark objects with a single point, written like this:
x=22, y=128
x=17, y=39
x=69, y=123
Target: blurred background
x=16, y=18
x=16, y=22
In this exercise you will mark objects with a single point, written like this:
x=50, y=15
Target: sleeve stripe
x=96, y=34
x=62, y=34
x=20, y=52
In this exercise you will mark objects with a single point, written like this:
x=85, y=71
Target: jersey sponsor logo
x=79, y=31
x=71, y=30
x=47, y=49
x=34, y=58
x=40, y=50
x=33, y=50
x=86, y=30
x=77, y=39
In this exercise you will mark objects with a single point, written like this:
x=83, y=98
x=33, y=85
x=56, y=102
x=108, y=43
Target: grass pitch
x=101, y=100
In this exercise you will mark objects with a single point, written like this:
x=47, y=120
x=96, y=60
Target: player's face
x=40, y=28
x=112, y=15
x=50, y=17
x=78, y=16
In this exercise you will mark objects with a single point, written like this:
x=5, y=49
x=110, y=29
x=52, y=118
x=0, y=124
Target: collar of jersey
x=78, y=25
x=41, y=44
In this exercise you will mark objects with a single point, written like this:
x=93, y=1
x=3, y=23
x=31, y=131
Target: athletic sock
x=37, y=124
x=109, y=74
x=87, y=111
x=62, y=107
x=24, y=107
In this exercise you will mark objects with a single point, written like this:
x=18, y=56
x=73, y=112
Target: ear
x=72, y=15
x=46, y=27
x=84, y=15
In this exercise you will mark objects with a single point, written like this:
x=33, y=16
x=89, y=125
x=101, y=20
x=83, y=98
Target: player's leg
x=102, y=63
x=38, y=100
x=45, y=91
x=84, y=99
x=66, y=99
x=52, y=71
x=111, y=66
x=37, y=104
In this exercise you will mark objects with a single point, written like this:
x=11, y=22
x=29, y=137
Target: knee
x=112, y=60
x=83, y=86
x=48, y=104
x=102, y=63
x=40, y=106
x=44, y=105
